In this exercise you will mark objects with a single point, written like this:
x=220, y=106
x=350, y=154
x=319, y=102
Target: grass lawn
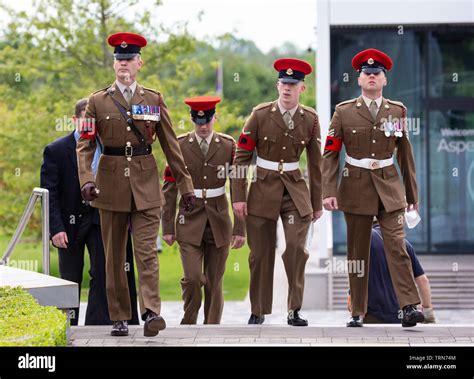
x=28, y=255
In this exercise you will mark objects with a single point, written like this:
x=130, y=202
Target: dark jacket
x=59, y=175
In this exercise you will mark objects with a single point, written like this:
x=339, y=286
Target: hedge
x=23, y=322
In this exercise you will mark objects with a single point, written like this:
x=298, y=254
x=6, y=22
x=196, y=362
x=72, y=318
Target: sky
x=269, y=23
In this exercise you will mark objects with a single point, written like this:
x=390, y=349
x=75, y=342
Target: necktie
x=373, y=109
x=288, y=120
x=204, y=147
x=127, y=94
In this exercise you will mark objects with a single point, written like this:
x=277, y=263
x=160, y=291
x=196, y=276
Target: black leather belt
x=128, y=151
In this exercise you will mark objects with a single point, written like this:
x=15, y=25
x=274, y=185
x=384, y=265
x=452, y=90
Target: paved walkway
x=262, y=335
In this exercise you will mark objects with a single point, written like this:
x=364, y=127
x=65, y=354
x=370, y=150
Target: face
x=372, y=83
x=126, y=69
x=205, y=130
x=289, y=93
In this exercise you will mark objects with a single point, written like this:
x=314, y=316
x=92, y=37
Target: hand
x=60, y=240
x=89, y=192
x=169, y=238
x=189, y=200
x=240, y=209
x=237, y=242
x=415, y=206
x=317, y=215
x=330, y=203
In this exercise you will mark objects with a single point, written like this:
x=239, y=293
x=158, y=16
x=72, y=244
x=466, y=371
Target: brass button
x=281, y=160
x=107, y=118
x=265, y=138
x=129, y=144
x=284, y=147
x=373, y=154
x=353, y=131
x=205, y=163
x=205, y=201
x=128, y=128
x=373, y=141
x=375, y=127
x=302, y=142
x=286, y=134
x=205, y=177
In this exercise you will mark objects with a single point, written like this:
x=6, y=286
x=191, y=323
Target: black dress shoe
x=255, y=320
x=411, y=316
x=119, y=329
x=355, y=322
x=153, y=324
x=295, y=319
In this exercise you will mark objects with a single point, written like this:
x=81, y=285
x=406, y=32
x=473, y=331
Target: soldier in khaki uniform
x=278, y=132
x=372, y=128
x=204, y=235
x=127, y=117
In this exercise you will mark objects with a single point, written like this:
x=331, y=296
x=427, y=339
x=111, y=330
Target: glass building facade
x=433, y=76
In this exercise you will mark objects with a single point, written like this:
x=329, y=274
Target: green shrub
x=23, y=322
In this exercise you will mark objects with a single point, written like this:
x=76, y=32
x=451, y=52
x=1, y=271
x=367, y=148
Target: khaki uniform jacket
x=359, y=189
x=274, y=142
x=117, y=178
x=207, y=173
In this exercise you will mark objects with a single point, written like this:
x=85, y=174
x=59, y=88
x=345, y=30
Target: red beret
x=372, y=58
x=202, y=103
x=126, y=39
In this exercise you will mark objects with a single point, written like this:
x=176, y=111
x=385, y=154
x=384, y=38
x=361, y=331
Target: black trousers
x=71, y=267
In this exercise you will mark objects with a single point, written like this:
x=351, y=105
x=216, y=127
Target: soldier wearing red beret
x=278, y=132
x=206, y=234
x=372, y=128
x=128, y=117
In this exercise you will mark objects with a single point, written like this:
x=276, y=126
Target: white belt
x=277, y=166
x=207, y=193
x=369, y=164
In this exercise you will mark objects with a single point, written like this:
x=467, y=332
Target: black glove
x=89, y=192
x=189, y=200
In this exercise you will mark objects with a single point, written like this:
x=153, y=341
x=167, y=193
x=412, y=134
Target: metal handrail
x=37, y=192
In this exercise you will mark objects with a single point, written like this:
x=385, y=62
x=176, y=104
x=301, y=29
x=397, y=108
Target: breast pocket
x=266, y=143
x=110, y=126
x=299, y=144
x=351, y=138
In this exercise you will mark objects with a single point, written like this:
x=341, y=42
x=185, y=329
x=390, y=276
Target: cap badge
x=289, y=71
x=201, y=113
x=124, y=44
x=370, y=61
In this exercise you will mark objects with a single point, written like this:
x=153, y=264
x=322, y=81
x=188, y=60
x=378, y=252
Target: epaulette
x=152, y=90
x=101, y=90
x=181, y=136
x=262, y=106
x=226, y=136
x=346, y=102
x=399, y=103
x=309, y=109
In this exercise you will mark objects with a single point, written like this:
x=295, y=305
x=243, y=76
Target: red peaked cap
x=371, y=58
x=128, y=38
x=202, y=103
x=203, y=108
x=294, y=64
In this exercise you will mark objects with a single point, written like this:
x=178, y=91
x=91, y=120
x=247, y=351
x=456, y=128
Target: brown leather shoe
x=153, y=324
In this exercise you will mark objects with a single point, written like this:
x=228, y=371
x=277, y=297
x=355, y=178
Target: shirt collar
x=283, y=109
x=208, y=139
x=76, y=135
x=122, y=87
x=367, y=101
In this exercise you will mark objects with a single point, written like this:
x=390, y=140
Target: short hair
x=80, y=106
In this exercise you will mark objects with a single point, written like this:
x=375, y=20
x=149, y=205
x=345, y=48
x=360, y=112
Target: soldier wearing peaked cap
x=278, y=132
x=204, y=235
x=127, y=117
x=372, y=129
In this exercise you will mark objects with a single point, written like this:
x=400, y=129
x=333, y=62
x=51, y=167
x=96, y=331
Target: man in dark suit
x=74, y=225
